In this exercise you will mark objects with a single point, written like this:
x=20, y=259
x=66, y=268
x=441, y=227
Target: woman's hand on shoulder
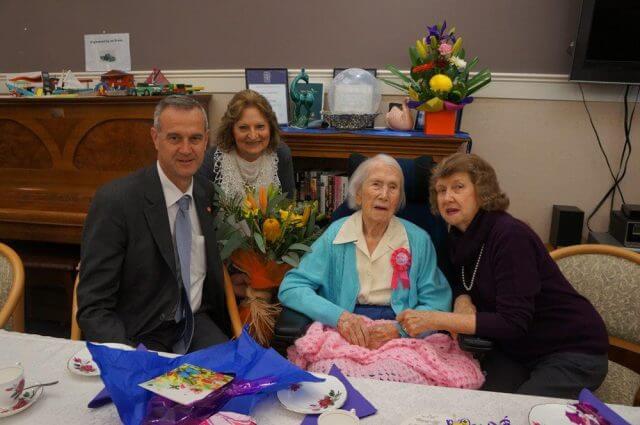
x=415, y=322
x=354, y=329
x=380, y=334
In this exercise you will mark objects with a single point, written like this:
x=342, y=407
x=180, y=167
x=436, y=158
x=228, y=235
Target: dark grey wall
x=507, y=35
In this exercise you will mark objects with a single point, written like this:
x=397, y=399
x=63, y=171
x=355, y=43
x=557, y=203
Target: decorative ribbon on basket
x=258, y=309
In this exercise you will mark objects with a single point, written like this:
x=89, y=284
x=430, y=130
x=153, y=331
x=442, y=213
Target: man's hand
x=381, y=334
x=353, y=328
x=415, y=322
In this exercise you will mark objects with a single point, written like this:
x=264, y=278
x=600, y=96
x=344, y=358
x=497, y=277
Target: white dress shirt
x=374, y=269
x=198, y=266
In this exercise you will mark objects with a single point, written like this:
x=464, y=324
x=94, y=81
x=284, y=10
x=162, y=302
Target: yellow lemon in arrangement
x=440, y=83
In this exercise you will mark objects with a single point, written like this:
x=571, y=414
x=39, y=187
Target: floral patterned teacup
x=11, y=385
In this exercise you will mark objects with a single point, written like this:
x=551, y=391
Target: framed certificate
x=273, y=84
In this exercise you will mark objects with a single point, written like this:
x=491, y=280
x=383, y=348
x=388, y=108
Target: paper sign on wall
x=104, y=52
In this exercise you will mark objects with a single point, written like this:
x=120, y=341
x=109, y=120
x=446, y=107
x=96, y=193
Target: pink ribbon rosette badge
x=400, y=261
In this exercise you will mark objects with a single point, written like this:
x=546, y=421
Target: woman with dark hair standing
x=248, y=151
x=550, y=340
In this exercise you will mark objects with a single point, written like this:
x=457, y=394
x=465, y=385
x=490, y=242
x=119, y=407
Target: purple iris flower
x=439, y=32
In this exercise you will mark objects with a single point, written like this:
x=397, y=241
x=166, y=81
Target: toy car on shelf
x=150, y=89
x=146, y=89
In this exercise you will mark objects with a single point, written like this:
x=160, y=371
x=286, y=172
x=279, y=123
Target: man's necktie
x=183, y=247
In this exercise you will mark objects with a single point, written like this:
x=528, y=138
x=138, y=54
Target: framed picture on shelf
x=372, y=71
x=273, y=84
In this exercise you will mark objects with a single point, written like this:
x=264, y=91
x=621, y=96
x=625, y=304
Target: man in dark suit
x=150, y=269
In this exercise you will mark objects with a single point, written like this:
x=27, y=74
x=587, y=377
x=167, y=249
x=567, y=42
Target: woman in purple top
x=549, y=340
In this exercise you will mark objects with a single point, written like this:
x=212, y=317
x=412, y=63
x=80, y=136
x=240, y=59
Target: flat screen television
x=607, y=47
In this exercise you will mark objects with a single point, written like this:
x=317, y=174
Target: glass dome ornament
x=354, y=91
x=354, y=98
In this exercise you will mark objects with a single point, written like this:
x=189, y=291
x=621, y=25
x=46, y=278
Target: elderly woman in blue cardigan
x=371, y=263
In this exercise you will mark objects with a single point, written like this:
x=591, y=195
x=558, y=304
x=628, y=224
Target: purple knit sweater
x=524, y=302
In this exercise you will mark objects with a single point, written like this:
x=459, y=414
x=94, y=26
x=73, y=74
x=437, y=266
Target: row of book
x=329, y=188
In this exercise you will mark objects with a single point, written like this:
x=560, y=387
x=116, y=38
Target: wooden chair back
x=11, y=289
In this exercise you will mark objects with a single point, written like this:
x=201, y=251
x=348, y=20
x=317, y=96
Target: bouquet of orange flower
x=264, y=235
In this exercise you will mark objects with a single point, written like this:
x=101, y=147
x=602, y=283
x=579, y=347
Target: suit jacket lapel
x=157, y=217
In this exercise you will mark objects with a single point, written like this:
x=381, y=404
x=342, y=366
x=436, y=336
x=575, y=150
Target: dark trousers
x=561, y=375
x=205, y=334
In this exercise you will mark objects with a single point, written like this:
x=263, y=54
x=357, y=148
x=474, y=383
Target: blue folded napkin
x=605, y=411
x=104, y=397
x=355, y=400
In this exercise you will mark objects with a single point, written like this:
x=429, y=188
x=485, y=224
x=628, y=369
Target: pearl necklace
x=475, y=269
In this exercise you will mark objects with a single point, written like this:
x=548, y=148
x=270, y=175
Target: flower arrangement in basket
x=439, y=81
x=264, y=235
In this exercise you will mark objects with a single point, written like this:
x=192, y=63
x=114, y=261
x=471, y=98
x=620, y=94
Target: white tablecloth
x=45, y=359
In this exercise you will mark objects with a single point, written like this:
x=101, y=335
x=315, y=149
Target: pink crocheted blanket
x=434, y=360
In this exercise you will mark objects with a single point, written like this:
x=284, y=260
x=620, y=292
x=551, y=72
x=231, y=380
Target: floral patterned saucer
x=81, y=363
x=314, y=397
x=26, y=399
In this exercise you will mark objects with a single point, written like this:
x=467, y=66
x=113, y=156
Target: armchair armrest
x=290, y=326
x=624, y=352
x=474, y=344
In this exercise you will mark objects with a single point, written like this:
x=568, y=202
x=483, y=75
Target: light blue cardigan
x=326, y=283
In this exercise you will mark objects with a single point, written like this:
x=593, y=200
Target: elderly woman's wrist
x=344, y=317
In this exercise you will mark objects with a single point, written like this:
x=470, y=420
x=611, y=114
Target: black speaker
x=566, y=225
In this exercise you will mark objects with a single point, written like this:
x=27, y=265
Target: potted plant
x=439, y=82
